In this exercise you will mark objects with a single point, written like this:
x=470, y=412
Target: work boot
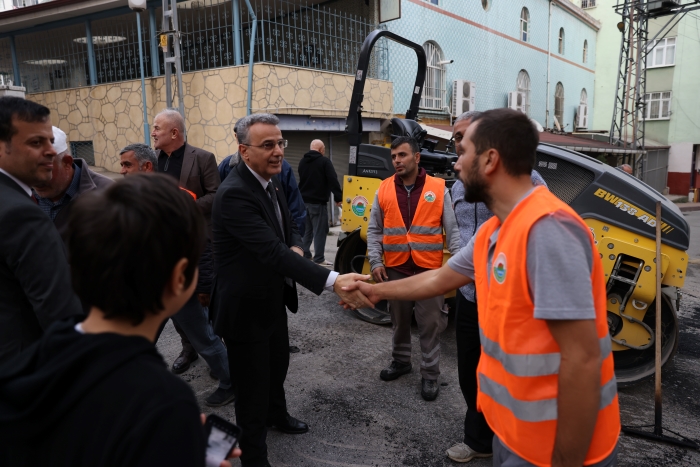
x=460, y=452
x=395, y=370
x=429, y=389
x=220, y=397
x=185, y=359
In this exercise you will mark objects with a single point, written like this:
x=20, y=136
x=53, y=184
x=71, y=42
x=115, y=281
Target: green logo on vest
x=499, y=268
x=429, y=196
x=359, y=206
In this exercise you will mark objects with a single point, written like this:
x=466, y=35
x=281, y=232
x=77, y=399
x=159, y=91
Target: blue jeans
x=317, y=230
x=193, y=318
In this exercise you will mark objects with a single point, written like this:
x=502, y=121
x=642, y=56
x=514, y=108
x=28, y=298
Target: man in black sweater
x=317, y=180
x=98, y=392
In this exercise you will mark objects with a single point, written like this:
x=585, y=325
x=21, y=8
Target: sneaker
x=395, y=370
x=324, y=263
x=460, y=452
x=429, y=389
x=220, y=397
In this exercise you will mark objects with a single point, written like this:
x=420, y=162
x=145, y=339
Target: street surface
x=357, y=420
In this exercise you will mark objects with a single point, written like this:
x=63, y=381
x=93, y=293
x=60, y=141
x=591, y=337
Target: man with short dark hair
x=71, y=178
x=137, y=157
x=317, y=180
x=35, y=288
x=195, y=170
x=410, y=212
x=98, y=392
x=546, y=374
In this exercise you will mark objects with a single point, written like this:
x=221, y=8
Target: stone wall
x=111, y=115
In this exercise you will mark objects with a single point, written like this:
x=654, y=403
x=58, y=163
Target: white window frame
x=434, y=87
x=524, y=86
x=585, y=51
x=661, y=46
x=587, y=4
x=525, y=25
x=562, y=37
x=559, y=103
x=584, y=97
x=663, y=102
x=434, y=2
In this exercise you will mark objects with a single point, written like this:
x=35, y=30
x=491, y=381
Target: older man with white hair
x=70, y=178
x=195, y=170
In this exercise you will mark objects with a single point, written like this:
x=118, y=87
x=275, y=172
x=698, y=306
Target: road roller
x=618, y=208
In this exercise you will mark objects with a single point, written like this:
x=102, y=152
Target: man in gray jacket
x=405, y=237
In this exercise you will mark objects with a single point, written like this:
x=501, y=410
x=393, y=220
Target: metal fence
x=115, y=41
x=6, y=69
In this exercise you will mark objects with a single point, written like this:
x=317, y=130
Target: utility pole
x=170, y=38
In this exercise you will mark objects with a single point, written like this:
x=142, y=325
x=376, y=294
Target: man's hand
x=352, y=298
x=379, y=274
x=203, y=299
x=297, y=250
x=366, y=290
x=233, y=454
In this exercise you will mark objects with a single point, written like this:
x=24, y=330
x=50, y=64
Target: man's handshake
x=353, y=292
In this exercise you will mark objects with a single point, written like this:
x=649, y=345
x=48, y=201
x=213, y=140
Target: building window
x=657, y=106
x=584, y=97
x=524, y=25
x=434, y=2
x=523, y=86
x=585, y=51
x=559, y=104
x=434, y=88
x=561, y=41
x=661, y=52
x=587, y=3
x=486, y=4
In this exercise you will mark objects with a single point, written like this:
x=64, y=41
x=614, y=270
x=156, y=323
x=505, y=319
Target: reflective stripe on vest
x=424, y=240
x=520, y=363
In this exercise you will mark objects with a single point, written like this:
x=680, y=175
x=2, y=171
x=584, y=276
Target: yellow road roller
x=618, y=208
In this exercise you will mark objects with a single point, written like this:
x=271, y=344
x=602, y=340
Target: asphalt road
x=357, y=420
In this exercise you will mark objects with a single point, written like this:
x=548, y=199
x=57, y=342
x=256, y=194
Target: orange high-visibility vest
x=424, y=240
x=191, y=193
x=519, y=365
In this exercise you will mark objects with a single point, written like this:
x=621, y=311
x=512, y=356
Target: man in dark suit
x=35, y=288
x=194, y=169
x=259, y=257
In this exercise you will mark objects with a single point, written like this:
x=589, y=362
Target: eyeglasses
x=269, y=145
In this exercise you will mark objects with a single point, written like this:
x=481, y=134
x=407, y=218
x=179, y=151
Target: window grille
x=559, y=104
x=434, y=87
x=661, y=52
x=523, y=85
x=525, y=25
x=561, y=41
x=587, y=3
x=83, y=150
x=657, y=106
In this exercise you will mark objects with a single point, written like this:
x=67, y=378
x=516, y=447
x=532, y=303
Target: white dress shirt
x=22, y=185
x=330, y=281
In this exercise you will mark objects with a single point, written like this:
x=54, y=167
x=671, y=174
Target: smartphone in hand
x=222, y=437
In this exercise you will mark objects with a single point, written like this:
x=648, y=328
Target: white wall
x=680, y=157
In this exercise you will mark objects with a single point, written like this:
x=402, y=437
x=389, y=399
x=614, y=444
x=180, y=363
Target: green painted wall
x=685, y=104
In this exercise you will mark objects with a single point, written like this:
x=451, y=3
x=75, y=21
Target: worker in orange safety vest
x=546, y=376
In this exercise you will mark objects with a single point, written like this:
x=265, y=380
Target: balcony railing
x=587, y=3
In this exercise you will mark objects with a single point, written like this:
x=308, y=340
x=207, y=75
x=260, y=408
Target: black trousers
x=258, y=370
x=477, y=433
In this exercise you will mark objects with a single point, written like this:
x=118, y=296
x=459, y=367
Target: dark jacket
x=289, y=185
x=253, y=258
x=35, y=286
x=317, y=179
x=106, y=399
x=89, y=181
x=199, y=175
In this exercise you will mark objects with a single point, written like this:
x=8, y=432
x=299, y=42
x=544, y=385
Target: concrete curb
x=689, y=207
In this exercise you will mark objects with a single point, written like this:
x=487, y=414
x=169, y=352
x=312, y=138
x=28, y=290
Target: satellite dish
x=539, y=127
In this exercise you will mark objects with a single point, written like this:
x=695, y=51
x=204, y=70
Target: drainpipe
x=146, y=131
x=153, y=32
x=549, y=55
x=237, y=33
x=252, y=55
x=15, y=62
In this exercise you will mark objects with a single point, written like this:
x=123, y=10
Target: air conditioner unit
x=463, y=97
x=516, y=101
x=582, y=117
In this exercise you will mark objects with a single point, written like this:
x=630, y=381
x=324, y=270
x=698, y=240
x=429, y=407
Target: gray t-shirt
x=559, y=264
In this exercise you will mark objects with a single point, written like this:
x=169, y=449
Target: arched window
x=559, y=104
x=585, y=51
x=525, y=25
x=523, y=86
x=584, y=97
x=434, y=87
x=561, y=41
x=486, y=4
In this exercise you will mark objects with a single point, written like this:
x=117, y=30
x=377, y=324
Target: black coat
x=252, y=260
x=35, y=286
x=317, y=179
